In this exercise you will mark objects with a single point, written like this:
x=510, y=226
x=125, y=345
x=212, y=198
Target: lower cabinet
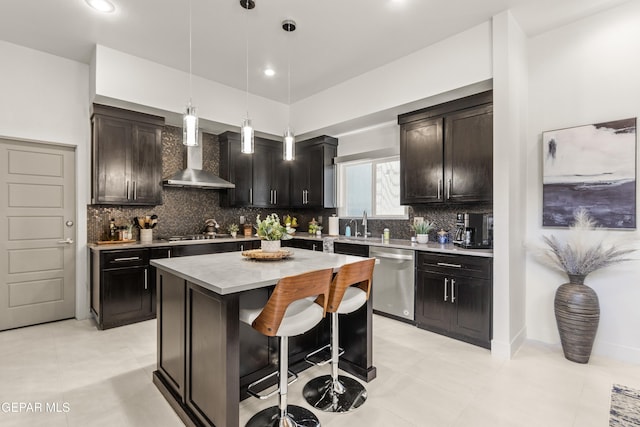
x=453, y=296
x=125, y=293
x=123, y=284
x=312, y=245
x=351, y=249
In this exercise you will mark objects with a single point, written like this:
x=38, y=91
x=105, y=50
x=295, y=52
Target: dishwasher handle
x=391, y=256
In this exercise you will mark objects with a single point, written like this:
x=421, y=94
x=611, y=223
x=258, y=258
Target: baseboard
x=506, y=350
x=617, y=352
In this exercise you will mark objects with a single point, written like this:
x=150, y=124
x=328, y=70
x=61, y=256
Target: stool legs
x=284, y=415
x=334, y=393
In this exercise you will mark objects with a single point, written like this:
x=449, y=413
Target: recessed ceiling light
x=269, y=72
x=104, y=6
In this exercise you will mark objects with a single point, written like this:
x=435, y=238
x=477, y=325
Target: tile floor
x=103, y=378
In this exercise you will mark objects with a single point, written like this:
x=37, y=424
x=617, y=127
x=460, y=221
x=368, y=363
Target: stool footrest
x=253, y=393
x=309, y=358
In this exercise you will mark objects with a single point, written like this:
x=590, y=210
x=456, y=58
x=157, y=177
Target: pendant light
x=190, y=117
x=289, y=139
x=246, y=130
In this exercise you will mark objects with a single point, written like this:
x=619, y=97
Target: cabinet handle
x=448, y=189
x=241, y=248
x=446, y=264
x=251, y=196
x=146, y=282
x=130, y=258
x=446, y=283
x=127, y=190
x=168, y=253
x=135, y=191
x=453, y=292
x=275, y=197
x=314, y=247
x=439, y=186
x=271, y=196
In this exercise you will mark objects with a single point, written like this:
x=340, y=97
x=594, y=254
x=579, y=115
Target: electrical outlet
x=241, y=219
x=417, y=219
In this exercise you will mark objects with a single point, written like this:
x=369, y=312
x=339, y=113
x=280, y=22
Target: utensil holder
x=146, y=235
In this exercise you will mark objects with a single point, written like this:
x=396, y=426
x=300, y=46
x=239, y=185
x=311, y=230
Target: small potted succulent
x=271, y=232
x=233, y=230
x=422, y=229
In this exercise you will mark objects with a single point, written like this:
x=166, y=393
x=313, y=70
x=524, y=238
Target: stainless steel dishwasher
x=393, y=282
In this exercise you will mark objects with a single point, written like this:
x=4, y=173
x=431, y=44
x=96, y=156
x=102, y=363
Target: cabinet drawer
x=124, y=258
x=459, y=265
x=351, y=249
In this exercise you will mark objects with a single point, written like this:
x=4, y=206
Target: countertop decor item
x=576, y=305
x=259, y=254
x=271, y=232
x=233, y=230
x=422, y=229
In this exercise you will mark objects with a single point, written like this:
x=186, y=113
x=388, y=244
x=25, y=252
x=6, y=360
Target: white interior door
x=37, y=233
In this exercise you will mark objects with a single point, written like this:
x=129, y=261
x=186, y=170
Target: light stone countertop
x=230, y=272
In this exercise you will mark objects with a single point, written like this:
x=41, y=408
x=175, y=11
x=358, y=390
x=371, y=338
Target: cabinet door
x=315, y=168
x=236, y=167
x=262, y=188
x=300, y=179
x=433, y=301
x=112, y=160
x=472, y=315
x=280, y=178
x=146, y=165
x=126, y=295
x=421, y=162
x=469, y=155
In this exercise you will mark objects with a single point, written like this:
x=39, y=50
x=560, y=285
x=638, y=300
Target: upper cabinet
x=126, y=157
x=264, y=180
x=446, y=152
x=313, y=176
x=261, y=179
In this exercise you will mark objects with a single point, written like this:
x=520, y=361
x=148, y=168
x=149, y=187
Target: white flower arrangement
x=271, y=229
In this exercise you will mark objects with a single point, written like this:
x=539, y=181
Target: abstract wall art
x=591, y=167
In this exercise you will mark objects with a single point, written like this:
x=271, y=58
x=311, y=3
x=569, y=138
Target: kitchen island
x=207, y=357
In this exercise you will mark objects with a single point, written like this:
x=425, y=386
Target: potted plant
x=233, y=230
x=271, y=232
x=576, y=305
x=422, y=229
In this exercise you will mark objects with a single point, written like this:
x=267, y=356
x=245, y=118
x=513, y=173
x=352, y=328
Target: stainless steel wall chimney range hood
x=193, y=176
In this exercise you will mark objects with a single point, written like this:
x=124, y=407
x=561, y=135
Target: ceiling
x=335, y=40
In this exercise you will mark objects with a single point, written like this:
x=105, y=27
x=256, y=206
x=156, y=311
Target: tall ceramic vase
x=577, y=314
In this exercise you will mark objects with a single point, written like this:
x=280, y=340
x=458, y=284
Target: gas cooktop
x=203, y=236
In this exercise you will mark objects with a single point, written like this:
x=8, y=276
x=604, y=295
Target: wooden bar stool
x=297, y=304
x=350, y=290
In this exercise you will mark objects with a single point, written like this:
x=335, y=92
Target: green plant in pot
x=576, y=305
x=233, y=230
x=271, y=232
x=422, y=229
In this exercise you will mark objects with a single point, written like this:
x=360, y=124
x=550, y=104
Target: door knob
x=68, y=241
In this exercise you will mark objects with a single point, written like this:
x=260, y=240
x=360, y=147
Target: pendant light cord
x=247, y=58
x=190, y=49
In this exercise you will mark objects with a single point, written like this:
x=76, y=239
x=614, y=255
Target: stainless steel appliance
x=393, y=282
x=475, y=230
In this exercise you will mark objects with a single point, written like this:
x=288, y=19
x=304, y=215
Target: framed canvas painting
x=591, y=167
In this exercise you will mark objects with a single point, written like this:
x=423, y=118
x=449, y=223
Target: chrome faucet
x=364, y=223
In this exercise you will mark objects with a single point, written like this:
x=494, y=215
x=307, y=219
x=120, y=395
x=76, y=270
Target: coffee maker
x=474, y=230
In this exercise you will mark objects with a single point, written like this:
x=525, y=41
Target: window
x=372, y=186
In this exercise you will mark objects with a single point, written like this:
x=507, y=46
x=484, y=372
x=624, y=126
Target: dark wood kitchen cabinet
x=261, y=178
x=446, y=152
x=453, y=296
x=126, y=157
x=311, y=245
x=313, y=173
x=123, y=292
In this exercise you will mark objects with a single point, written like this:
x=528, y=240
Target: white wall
x=45, y=98
x=509, y=115
x=457, y=61
x=585, y=72
x=384, y=136
x=123, y=77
